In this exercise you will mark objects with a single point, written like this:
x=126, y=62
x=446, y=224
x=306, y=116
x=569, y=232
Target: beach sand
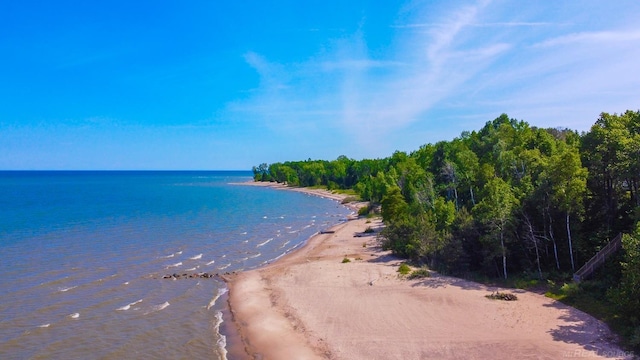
x=311, y=305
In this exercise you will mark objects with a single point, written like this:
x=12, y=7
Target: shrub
x=349, y=199
x=346, y=260
x=404, y=269
x=420, y=273
x=363, y=211
x=369, y=230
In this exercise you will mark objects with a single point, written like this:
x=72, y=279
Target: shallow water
x=84, y=255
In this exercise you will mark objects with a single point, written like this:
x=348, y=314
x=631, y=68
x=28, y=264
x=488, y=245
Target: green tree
x=261, y=172
x=627, y=294
x=568, y=181
x=495, y=211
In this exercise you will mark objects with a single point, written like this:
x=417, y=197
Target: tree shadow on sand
x=439, y=281
x=587, y=332
x=385, y=258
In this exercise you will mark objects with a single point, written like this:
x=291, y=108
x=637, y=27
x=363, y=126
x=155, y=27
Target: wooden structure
x=598, y=259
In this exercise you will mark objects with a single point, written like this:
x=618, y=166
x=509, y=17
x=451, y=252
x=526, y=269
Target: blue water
x=83, y=256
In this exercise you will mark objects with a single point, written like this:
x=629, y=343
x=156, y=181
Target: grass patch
x=349, y=199
x=419, y=274
x=351, y=192
x=363, y=211
x=574, y=295
x=404, y=269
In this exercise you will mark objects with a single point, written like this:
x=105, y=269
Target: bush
x=419, y=274
x=346, y=260
x=369, y=230
x=363, y=211
x=349, y=199
x=404, y=269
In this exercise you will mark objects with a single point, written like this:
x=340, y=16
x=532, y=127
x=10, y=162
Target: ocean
x=92, y=264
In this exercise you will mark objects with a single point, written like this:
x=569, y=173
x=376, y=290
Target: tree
x=261, y=173
x=627, y=294
x=394, y=207
x=610, y=151
x=568, y=181
x=495, y=211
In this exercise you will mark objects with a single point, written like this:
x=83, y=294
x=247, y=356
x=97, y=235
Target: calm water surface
x=83, y=256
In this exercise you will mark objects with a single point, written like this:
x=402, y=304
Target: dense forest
x=508, y=199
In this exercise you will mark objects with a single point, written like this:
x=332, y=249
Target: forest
x=509, y=200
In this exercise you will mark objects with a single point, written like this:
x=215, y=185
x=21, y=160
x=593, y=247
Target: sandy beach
x=312, y=305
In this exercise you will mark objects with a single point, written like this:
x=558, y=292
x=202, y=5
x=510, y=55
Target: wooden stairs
x=598, y=259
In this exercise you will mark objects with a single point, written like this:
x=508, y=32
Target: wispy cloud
x=468, y=64
x=593, y=37
x=488, y=24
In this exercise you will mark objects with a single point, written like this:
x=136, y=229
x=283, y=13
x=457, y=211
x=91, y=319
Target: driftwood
x=502, y=296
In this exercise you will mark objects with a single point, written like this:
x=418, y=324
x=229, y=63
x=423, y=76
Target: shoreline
x=309, y=304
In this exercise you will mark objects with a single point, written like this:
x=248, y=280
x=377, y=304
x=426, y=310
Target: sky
x=227, y=85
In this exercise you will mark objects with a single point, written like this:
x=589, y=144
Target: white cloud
x=472, y=62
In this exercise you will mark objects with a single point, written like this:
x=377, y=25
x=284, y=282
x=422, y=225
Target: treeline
x=507, y=198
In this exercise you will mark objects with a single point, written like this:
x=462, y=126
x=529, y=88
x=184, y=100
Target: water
x=84, y=256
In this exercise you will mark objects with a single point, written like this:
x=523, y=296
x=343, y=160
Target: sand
x=311, y=305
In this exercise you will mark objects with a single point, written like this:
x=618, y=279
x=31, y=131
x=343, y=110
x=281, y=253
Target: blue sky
x=229, y=85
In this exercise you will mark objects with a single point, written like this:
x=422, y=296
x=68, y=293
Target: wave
x=128, y=306
x=174, y=265
x=222, y=340
x=197, y=257
x=220, y=292
x=243, y=233
x=74, y=315
x=44, y=325
x=210, y=262
x=224, y=267
x=285, y=244
x=158, y=307
x=65, y=289
x=192, y=269
x=168, y=256
x=264, y=243
x=254, y=256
